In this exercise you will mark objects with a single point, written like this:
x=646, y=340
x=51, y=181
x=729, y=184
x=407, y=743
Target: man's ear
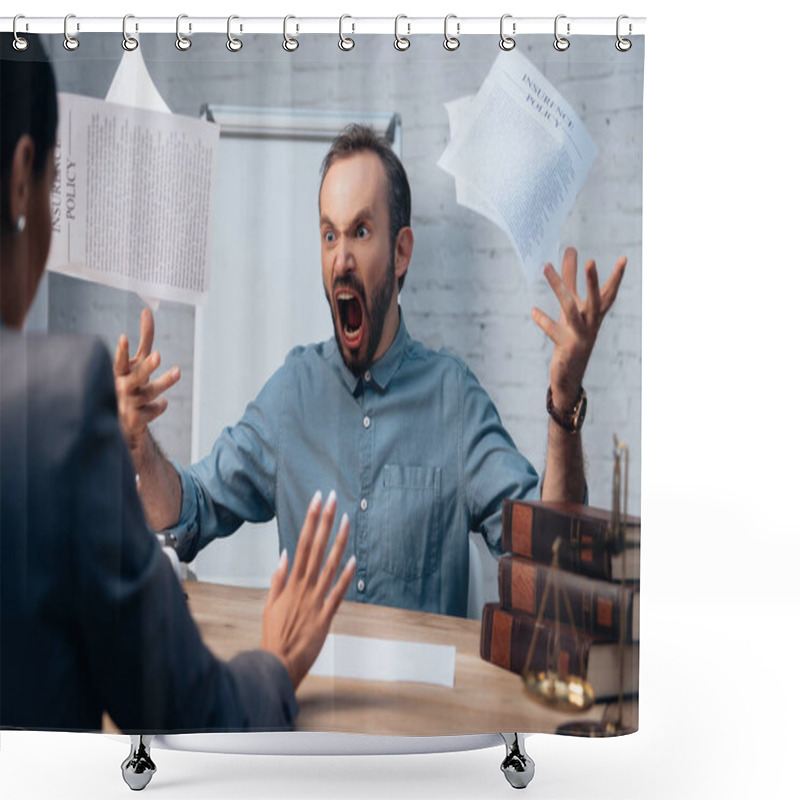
x=403, y=247
x=20, y=177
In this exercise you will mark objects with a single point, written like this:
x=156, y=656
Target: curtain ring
x=181, y=42
x=70, y=42
x=623, y=45
x=400, y=42
x=233, y=44
x=345, y=42
x=561, y=43
x=507, y=42
x=20, y=42
x=129, y=43
x=289, y=44
x=451, y=42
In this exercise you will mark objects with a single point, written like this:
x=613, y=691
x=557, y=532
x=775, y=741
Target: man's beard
x=375, y=313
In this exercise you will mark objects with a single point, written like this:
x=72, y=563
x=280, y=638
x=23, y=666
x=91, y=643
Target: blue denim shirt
x=414, y=449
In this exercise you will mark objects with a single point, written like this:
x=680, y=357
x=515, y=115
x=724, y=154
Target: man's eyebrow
x=364, y=213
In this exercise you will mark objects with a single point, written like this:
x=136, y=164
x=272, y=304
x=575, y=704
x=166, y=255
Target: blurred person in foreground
x=92, y=617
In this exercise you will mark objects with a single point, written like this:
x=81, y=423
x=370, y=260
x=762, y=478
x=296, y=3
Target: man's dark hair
x=359, y=138
x=28, y=105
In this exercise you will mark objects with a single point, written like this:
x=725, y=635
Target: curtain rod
x=350, y=25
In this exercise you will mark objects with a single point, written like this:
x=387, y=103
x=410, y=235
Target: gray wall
x=465, y=289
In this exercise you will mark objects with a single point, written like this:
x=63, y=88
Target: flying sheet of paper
x=459, y=113
x=519, y=154
x=386, y=660
x=133, y=85
x=132, y=200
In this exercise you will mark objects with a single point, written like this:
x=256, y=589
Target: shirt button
x=364, y=504
x=366, y=422
x=360, y=585
x=367, y=376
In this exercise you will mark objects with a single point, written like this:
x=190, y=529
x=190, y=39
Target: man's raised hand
x=578, y=323
x=139, y=399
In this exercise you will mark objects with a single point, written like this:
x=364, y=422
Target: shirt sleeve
x=143, y=654
x=237, y=481
x=492, y=467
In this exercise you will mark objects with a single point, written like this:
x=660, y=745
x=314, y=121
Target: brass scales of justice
x=556, y=687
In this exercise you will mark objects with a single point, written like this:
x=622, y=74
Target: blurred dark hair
x=27, y=105
x=358, y=138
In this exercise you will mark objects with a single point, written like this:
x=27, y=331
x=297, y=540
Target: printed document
x=132, y=201
x=519, y=154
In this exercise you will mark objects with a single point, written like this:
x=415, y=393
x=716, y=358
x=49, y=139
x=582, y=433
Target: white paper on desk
x=133, y=197
x=522, y=151
x=386, y=660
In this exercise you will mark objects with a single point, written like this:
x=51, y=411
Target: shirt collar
x=381, y=371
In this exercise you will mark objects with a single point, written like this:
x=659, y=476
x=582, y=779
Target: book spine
x=530, y=531
x=506, y=638
x=595, y=604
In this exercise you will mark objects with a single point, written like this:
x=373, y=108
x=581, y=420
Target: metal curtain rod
x=408, y=26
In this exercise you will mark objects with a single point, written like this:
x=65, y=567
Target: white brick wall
x=465, y=289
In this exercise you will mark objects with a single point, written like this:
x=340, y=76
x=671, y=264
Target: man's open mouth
x=351, y=317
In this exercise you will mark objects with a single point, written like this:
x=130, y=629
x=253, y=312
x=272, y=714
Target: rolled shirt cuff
x=185, y=531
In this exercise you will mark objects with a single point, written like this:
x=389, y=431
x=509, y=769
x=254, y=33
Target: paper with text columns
x=132, y=199
x=519, y=154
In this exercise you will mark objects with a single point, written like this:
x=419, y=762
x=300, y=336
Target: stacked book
x=601, y=644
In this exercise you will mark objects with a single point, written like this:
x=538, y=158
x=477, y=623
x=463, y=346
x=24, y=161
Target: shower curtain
x=513, y=155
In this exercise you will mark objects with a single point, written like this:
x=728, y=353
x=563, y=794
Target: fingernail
x=331, y=499
x=345, y=521
x=284, y=558
x=351, y=563
x=316, y=500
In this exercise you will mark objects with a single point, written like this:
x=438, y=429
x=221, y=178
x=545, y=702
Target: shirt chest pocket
x=411, y=530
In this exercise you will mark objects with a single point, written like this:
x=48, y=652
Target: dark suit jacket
x=92, y=618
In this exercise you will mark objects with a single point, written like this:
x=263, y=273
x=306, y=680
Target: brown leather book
x=595, y=604
x=506, y=637
x=531, y=527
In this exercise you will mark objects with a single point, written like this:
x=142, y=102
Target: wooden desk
x=484, y=699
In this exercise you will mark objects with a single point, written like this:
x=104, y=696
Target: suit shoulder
x=56, y=372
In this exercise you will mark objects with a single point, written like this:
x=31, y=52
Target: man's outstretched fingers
x=154, y=389
x=146, y=333
x=593, y=305
x=122, y=356
x=569, y=269
x=145, y=367
x=566, y=299
x=545, y=323
x=608, y=293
